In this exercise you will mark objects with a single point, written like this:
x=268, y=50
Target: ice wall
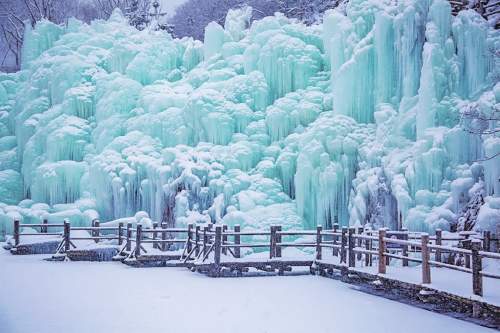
x=352, y=121
x=412, y=69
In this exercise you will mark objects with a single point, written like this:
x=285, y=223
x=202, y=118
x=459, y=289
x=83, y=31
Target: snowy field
x=39, y=296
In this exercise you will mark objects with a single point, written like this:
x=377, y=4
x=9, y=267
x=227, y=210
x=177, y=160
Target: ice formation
x=355, y=120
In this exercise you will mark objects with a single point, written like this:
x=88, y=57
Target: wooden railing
x=351, y=246
x=419, y=248
x=44, y=230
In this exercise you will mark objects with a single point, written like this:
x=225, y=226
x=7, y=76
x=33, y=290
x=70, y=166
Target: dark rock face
x=36, y=248
x=431, y=299
x=98, y=254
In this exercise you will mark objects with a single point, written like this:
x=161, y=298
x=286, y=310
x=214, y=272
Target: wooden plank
x=97, y=230
x=224, y=238
x=439, y=236
x=278, y=240
x=487, y=241
x=477, y=280
x=350, y=245
x=16, y=232
x=158, y=257
x=164, y=245
x=381, y=251
x=197, y=240
x=272, y=242
x=360, y=242
x=368, y=256
x=155, y=234
x=67, y=235
x=343, y=247
x=405, y=247
x=120, y=233
x=237, y=240
x=426, y=268
x=217, y=246
x=128, y=245
x=189, y=245
x=335, y=239
x=319, y=239
x=205, y=240
x=138, y=239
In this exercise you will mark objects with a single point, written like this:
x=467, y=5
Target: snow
x=356, y=120
x=181, y=301
x=444, y=279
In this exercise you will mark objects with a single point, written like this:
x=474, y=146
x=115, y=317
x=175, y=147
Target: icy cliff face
x=353, y=121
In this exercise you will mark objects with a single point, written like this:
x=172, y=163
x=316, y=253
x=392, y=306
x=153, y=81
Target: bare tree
x=12, y=29
x=14, y=14
x=307, y=11
x=475, y=121
x=192, y=17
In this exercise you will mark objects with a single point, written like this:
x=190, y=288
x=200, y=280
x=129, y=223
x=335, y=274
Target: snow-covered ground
x=39, y=296
x=444, y=279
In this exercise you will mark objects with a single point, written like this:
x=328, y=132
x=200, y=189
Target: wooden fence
x=217, y=246
x=43, y=227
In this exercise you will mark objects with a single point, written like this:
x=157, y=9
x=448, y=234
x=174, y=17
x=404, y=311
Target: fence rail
x=352, y=246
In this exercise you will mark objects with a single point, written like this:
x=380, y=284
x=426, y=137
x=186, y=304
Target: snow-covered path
x=39, y=296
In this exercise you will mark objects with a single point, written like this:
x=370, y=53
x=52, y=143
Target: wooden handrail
x=347, y=243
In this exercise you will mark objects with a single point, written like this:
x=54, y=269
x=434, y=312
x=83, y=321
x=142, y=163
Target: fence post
x=120, y=233
x=439, y=241
x=67, y=235
x=487, y=241
x=197, y=240
x=497, y=239
x=45, y=228
x=97, y=231
x=272, y=242
x=404, y=236
x=128, y=245
x=224, y=239
x=335, y=242
x=205, y=240
x=217, y=246
x=351, y=241
x=319, y=240
x=343, y=246
x=466, y=244
x=16, y=232
x=426, y=268
x=381, y=251
x=360, y=243
x=138, y=238
x=368, y=256
x=477, y=281
x=189, y=245
x=163, y=237
x=155, y=243
x=278, y=241
x=237, y=240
